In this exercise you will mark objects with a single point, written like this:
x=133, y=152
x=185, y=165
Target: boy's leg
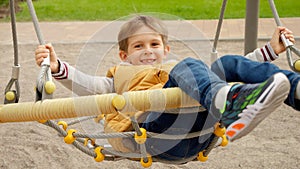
x=234, y=68
x=246, y=104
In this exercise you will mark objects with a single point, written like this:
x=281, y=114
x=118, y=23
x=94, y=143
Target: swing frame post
x=251, y=25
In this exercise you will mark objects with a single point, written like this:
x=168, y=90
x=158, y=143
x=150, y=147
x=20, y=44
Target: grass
x=91, y=10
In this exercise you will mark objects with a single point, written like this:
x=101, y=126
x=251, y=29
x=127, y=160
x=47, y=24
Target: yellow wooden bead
x=118, y=102
x=50, y=87
x=201, y=157
x=219, y=131
x=148, y=163
x=69, y=139
x=142, y=138
x=99, y=156
x=297, y=65
x=224, y=141
x=10, y=96
x=63, y=124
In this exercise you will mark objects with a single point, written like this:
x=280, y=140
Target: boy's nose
x=148, y=51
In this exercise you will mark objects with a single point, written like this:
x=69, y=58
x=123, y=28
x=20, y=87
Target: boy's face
x=145, y=47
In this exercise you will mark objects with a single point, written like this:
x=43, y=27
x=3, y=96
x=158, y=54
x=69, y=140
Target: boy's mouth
x=148, y=61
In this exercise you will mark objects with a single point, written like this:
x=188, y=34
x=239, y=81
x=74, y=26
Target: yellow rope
x=153, y=100
x=57, y=108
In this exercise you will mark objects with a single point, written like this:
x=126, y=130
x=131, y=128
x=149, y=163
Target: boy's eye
x=155, y=44
x=137, y=46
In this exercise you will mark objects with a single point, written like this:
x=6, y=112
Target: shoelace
x=250, y=111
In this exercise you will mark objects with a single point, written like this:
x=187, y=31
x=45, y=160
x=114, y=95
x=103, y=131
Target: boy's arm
x=264, y=54
x=81, y=83
x=272, y=49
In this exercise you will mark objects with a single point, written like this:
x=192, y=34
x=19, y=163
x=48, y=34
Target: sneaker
x=247, y=105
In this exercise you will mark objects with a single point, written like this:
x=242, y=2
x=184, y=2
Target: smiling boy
x=143, y=46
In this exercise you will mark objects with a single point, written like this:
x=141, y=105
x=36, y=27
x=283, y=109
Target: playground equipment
x=45, y=109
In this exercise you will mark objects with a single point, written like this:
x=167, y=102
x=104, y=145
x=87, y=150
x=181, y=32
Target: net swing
x=45, y=108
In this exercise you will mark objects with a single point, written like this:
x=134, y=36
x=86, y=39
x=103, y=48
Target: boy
x=143, y=46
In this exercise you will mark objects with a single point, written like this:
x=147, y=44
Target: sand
x=273, y=144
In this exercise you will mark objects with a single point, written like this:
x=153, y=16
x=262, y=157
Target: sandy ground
x=273, y=144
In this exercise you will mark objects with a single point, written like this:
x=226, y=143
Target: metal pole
x=251, y=25
x=214, y=52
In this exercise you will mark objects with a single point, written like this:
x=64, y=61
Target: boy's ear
x=167, y=49
x=122, y=55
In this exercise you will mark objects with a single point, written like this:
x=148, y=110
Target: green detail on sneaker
x=239, y=97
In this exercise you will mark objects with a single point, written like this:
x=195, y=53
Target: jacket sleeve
x=81, y=83
x=264, y=54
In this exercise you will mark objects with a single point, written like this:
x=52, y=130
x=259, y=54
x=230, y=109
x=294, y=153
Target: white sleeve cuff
x=268, y=53
x=63, y=71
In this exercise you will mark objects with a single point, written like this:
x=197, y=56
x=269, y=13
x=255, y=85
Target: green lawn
x=70, y=10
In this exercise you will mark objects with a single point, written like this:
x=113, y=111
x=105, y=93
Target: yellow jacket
x=133, y=78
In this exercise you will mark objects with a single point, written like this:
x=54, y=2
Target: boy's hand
x=276, y=41
x=42, y=52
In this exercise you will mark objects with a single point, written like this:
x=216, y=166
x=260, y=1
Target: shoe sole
x=272, y=97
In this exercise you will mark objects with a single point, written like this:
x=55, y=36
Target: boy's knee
x=189, y=60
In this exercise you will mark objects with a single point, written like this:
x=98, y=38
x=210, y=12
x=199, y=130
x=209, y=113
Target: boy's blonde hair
x=131, y=26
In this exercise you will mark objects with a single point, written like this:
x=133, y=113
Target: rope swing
x=46, y=110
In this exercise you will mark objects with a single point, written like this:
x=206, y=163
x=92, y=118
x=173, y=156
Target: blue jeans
x=234, y=68
x=199, y=82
